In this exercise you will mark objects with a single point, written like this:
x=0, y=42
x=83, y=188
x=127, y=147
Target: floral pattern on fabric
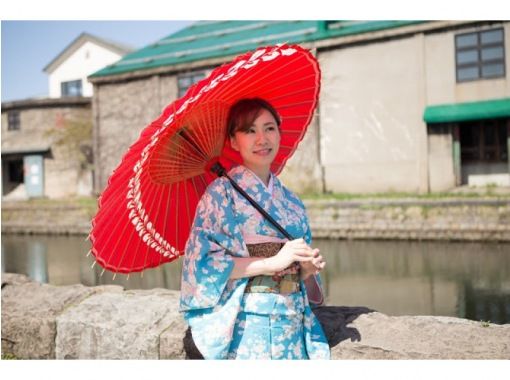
x=214, y=305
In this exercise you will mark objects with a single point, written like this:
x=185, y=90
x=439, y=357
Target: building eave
x=43, y=149
x=77, y=43
x=72, y=101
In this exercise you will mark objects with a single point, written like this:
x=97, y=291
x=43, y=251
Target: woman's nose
x=260, y=137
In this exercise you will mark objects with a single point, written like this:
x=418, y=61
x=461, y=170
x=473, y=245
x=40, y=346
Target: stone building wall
x=66, y=171
x=121, y=112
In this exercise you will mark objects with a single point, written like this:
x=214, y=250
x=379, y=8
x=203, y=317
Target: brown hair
x=244, y=112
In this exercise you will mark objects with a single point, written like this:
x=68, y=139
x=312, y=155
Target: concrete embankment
x=41, y=321
x=33, y=217
x=412, y=219
x=465, y=219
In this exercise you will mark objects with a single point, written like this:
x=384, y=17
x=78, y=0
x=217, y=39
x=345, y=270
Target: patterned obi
x=284, y=282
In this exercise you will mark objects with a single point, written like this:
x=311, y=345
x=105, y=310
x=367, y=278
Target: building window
x=480, y=55
x=184, y=81
x=13, y=124
x=484, y=141
x=71, y=88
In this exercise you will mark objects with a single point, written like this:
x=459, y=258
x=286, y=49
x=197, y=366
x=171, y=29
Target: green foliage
x=75, y=136
x=9, y=356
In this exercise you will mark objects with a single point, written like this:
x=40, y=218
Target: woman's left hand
x=312, y=267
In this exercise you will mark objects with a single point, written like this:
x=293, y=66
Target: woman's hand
x=292, y=251
x=312, y=267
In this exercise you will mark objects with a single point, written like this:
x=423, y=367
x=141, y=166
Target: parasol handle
x=220, y=171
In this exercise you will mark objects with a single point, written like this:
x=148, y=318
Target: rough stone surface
x=14, y=279
x=75, y=322
x=171, y=340
x=116, y=126
x=362, y=335
x=125, y=325
x=29, y=311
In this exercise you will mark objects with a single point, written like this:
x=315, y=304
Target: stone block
x=379, y=336
x=14, y=279
x=29, y=312
x=126, y=325
x=170, y=341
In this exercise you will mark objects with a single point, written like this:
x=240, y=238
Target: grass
x=489, y=193
x=9, y=356
x=89, y=204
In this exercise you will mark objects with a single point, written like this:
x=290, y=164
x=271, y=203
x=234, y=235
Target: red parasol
x=147, y=208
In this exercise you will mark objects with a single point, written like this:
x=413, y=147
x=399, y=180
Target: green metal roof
x=488, y=109
x=214, y=39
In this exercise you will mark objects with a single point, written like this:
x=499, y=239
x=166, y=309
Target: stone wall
x=63, y=129
x=45, y=218
x=41, y=321
x=411, y=219
x=121, y=111
x=453, y=219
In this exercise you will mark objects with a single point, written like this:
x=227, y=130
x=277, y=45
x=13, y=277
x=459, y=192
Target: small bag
x=190, y=348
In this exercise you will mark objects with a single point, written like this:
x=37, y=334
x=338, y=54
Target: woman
x=245, y=290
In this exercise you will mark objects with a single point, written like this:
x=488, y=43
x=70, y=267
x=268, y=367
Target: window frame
x=13, y=121
x=195, y=76
x=479, y=64
x=497, y=150
x=64, y=88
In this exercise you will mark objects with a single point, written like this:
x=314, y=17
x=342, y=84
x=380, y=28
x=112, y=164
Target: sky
x=28, y=46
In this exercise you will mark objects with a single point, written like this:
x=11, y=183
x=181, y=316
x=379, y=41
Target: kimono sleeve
x=314, y=287
x=208, y=262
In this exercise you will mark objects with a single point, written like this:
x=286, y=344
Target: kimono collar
x=248, y=179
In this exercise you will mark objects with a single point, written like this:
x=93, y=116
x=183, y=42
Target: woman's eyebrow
x=268, y=123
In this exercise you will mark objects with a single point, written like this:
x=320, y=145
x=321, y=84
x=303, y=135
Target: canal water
x=468, y=280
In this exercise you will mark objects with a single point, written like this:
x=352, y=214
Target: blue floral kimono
x=225, y=322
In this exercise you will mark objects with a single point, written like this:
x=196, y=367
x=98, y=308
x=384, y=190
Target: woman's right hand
x=292, y=251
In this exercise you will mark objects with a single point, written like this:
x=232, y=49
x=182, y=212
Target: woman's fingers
x=302, y=252
x=317, y=259
x=303, y=258
x=319, y=263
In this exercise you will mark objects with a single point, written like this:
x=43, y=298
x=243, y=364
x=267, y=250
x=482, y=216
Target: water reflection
x=33, y=262
x=469, y=280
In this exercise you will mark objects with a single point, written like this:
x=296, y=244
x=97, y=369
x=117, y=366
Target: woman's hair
x=244, y=112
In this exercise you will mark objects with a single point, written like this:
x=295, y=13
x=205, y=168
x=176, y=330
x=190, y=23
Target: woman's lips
x=263, y=152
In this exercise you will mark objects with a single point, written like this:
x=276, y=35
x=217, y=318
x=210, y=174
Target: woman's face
x=260, y=143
